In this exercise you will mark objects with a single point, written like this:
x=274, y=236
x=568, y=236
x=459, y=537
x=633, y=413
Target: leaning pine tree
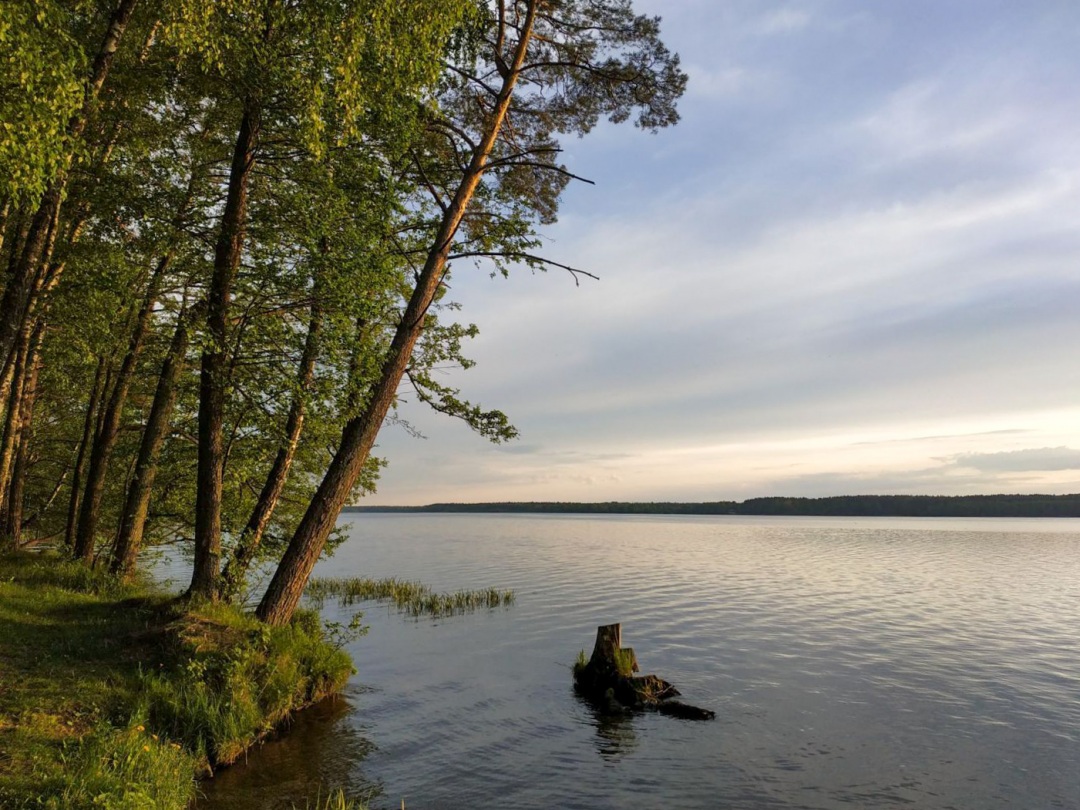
x=537, y=69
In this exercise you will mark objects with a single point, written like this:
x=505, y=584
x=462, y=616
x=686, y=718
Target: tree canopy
x=228, y=228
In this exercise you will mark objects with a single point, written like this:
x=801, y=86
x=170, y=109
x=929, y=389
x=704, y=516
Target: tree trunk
x=5, y=212
x=8, y=443
x=19, y=237
x=80, y=459
x=43, y=508
x=137, y=504
x=36, y=250
x=232, y=577
x=12, y=513
x=358, y=437
x=105, y=440
x=230, y=245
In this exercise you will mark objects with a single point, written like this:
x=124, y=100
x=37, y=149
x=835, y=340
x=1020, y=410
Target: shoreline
x=116, y=696
x=1005, y=506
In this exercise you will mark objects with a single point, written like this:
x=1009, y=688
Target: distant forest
x=841, y=506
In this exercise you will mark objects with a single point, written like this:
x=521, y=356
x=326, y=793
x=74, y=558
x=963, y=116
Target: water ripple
x=853, y=663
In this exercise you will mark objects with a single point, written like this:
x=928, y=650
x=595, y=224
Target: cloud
x=852, y=267
x=782, y=21
x=927, y=118
x=718, y=82
x=1041, y=459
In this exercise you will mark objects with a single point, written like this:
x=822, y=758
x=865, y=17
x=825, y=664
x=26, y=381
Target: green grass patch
x=624, y=662
x=114, y=697
x=412, y=598
x=239, y=679
x=580, y=664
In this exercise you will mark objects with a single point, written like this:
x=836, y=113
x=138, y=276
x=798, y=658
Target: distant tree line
x=839, y=506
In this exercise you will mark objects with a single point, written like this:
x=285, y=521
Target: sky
x=852, y=268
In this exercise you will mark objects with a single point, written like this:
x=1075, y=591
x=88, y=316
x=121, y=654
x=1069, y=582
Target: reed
x=412, y=598
x=334, y=800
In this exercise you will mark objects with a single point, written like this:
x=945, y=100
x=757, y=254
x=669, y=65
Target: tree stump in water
x=608, y=680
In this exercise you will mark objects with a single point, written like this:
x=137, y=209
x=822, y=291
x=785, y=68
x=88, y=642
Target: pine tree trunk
x=230, y=245
x=136, y=506
x=358, y=437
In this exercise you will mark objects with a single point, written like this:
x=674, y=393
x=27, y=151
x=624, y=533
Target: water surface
x=860, y=663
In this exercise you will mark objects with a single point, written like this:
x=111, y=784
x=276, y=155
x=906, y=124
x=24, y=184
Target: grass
x=239, y=680
x=580, y=664
x=112, y=697
x=335, y=800
x=624, y=662
x=412, y=598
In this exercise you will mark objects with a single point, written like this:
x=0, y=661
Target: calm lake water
x=866, y=663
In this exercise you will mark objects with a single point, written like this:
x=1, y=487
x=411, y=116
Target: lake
x=852, y=663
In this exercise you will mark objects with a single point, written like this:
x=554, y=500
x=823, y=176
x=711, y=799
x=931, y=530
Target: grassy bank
x=114, y=697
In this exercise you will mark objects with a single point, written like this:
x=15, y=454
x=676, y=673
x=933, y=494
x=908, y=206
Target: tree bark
x=12, y=513
x=230, y=245
x=43, y=508
x=105, y=440
x=232, y=577
x=80, y=459
x=12, y=424
x=358, y=436
x=137, y=504
x=5, y=212
x=19, y=237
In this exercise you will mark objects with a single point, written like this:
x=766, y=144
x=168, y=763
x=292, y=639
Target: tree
x=289, y=64
x=539, y=69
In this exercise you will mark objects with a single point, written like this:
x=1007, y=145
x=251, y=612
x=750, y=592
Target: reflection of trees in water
x=319, y=752
x=615, y=737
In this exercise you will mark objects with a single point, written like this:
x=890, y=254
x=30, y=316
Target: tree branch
x=527, y=257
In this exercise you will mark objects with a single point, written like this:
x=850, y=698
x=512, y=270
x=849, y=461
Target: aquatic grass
x=624, y=662
x=412, y=598
x=334, y=800
x=580, y=664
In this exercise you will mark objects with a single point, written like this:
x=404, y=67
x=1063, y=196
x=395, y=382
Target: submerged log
x=607, y=678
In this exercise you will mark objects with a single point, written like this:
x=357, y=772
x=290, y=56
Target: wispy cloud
x=852, y=267
x=782, y=21
x=1039, y=459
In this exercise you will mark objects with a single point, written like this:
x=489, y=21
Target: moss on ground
x=116, y=697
